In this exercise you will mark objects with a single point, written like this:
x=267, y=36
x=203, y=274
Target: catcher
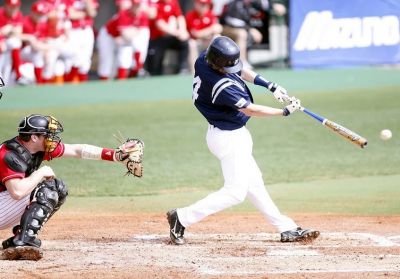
x=31, y=194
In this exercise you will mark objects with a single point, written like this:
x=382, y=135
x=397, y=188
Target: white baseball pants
x=106, y=49
x=11, y=210
x=242, y=179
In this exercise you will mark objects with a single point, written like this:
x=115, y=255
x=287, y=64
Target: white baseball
x=386, y=134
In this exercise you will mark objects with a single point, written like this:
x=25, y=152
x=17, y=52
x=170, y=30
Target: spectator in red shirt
x=122, y=40
x=31, y=194
x=167, y=31
x=60, y=57
x=11, y=20
x=132, y=45
x=34, y=35
x=203, y=27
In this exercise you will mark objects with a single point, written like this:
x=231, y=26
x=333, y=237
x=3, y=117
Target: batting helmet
x=43, y=125
x=223, y=54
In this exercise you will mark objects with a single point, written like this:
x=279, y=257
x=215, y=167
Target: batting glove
x=294, y=104
x=279, y=92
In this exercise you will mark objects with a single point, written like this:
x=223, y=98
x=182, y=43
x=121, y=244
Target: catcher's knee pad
x=62, y=191
x=45, y=199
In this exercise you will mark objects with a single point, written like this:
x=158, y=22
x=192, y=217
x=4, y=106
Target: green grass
x=353, y=196
x=306, y=167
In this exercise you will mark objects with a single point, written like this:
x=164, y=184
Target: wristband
x=91, y=152
x=107, y=154
x=259, y=80
x=285, y=112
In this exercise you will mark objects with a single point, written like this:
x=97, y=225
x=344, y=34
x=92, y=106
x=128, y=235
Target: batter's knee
x=238, y=194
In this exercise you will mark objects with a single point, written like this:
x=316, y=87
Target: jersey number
x=196, y=86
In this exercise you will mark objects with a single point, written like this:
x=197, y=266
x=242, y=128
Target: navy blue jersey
x=219, y=97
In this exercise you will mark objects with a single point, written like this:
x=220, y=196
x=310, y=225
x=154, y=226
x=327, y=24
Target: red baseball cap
x=40, y=7
x=13, y=3
x=205, y=1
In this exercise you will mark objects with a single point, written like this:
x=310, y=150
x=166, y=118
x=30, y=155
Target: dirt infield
x=223, y=246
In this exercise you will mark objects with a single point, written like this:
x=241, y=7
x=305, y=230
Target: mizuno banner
x=332, y=33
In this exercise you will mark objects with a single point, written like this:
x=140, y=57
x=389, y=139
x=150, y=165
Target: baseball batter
x=223, y=98
x=31, y=194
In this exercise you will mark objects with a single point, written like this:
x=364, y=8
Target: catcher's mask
x=36, y=124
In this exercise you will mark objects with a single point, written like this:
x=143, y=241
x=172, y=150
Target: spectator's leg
x=124, y=60
x=256, y=36
x=140, y=47
x=193, y=53
x=156, y=55
x=106, y=54
x=87, y=44
x=183, y=53
x=14, y=45
x=240, y=36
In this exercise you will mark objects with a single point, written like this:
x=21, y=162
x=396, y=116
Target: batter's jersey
x=219, y=97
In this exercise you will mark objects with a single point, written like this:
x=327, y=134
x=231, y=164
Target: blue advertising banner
x=333, y=33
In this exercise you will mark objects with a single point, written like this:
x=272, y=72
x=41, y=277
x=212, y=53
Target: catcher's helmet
x=43, y=125
x=223, y=53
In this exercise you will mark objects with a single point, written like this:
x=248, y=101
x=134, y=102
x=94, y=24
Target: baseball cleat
x=28, y=253
x=8, y=243
x=299, y=234
x=12, y=242
x=176, y=229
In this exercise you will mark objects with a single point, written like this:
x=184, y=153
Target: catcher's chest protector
x=20, y=159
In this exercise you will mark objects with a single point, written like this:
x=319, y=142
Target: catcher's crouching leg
x=47, y=198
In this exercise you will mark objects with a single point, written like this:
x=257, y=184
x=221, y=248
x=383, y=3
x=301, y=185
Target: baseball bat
x=339, y=129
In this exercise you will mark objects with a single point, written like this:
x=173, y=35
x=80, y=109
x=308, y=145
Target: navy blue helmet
x=223, y=54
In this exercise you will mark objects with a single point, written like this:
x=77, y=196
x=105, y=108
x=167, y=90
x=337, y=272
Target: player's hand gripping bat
x=344, y=132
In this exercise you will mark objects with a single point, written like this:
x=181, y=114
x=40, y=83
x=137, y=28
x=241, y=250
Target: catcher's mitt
x=130, y=153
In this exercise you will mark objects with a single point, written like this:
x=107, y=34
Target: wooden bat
x=343, y=131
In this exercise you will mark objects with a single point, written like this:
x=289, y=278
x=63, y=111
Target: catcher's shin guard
x=62, y=192
x=48, y=198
